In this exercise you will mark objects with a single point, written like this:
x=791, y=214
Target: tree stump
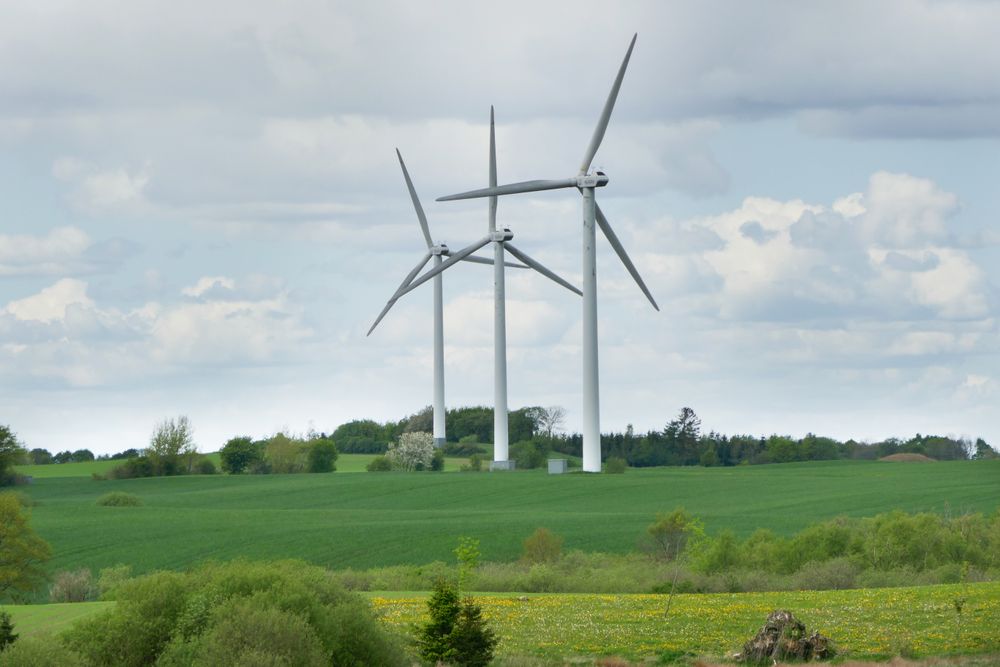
x=783, y=637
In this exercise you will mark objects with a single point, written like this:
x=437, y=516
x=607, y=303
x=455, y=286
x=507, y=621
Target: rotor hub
x=500, y=236
x=439, y=249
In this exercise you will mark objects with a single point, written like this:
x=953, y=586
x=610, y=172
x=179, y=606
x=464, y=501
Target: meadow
x=864, y=623
x=366, y=520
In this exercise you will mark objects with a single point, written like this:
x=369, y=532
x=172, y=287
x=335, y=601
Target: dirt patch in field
x=913, y=458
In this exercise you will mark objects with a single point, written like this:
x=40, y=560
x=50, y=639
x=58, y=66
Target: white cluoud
x=587, y=183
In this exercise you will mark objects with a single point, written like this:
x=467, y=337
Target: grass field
x=34, y=619
x=864, y=623
x=365, y=520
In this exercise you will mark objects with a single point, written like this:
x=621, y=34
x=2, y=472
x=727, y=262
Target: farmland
x=864, y=623
x=364, y=520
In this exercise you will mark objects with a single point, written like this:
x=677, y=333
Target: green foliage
x=39, y=651
x=269, y=613
x=671, y=534
x=244, y=634
x=529, y=454
x=111, y=578
x=77, y=586
x=285, y=454
x=468, y=554
x=240, y=454
x=443, y=608
x=22, y=552
x=475, y=464
x=542, y=546
x=615, y=465
x=133, y=468
x=40, y=456
x=322, y=455
x=437, y=461
x=471, y=642
x=7, y=634
x=171, y=443
x=456, y=634
x=11, y=453
x=205, y=466
x=363, y=437
x=379, y=464
x=119, y=499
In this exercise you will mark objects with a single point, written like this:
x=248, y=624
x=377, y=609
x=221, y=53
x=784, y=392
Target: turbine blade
x=537, y=266
x=445, y=265
x=493, y=172
x=513, y=188
x=609, y=104
x=399, y=291
x=416, y=202
x=487, y=260
x=622, y=255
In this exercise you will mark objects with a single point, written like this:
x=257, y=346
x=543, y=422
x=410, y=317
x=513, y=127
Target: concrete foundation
x=501, y=465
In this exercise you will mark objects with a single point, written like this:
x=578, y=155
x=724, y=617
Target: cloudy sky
x=202, y=213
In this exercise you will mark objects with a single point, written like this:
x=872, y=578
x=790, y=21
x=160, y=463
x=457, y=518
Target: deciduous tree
x=22, y=552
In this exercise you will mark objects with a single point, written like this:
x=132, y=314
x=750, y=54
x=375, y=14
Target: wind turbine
x=587, y=183
x=437, y=251
x=501, y=242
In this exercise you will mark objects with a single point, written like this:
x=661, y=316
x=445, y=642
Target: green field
x=365, y=520
x=863, y=623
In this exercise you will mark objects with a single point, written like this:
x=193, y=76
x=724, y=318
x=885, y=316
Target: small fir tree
x=444, y=608
x=7, y=635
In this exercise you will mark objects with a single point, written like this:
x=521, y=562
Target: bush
x=528, y=455
x=244, y=634
x=412, y=451
x=542, y=546
x=205, y=467
x=133, y=468
x=189, y=619
x=467, y=446
x=73, y=587
x=39, y=651
x=285, y=454
x=322, y=455
x=119, y=499
x=437, y=461
x=379, y=464
x=111, y=578
x=475, y=464
x=615, y=465
x=239, y=454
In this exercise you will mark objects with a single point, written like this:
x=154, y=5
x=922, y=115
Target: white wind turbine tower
x=586, y=183
x=437, y=251
x=501, y=241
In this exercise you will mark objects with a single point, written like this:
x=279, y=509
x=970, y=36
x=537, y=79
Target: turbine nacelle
x=500, y=236
x=596, y=180
x=439, y=249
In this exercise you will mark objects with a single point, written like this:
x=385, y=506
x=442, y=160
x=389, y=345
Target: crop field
x=366, y=520
x=864, y=623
